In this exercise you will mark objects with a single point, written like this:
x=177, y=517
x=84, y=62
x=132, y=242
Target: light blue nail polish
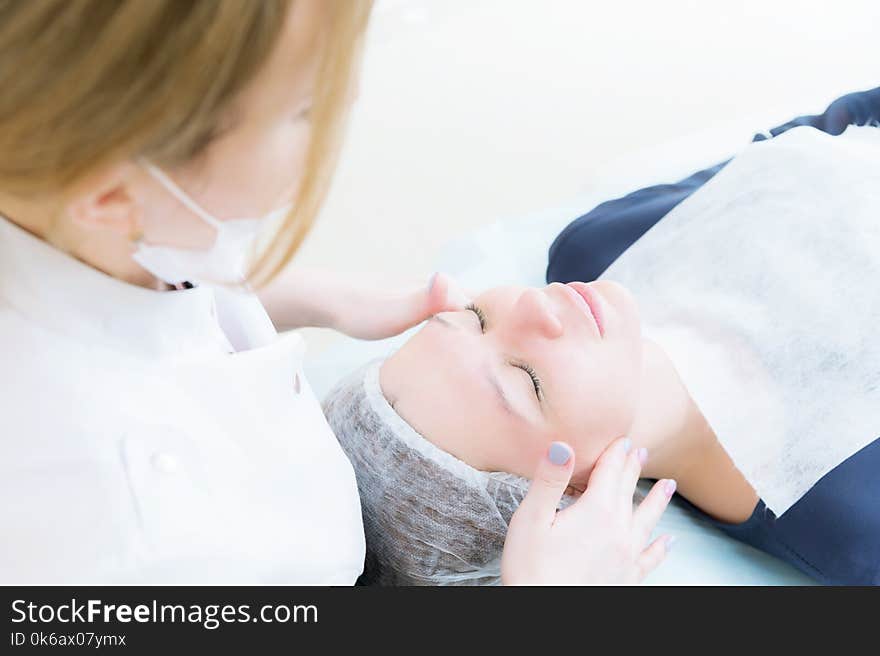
x=669, y=542
x=627, y=445
x=431, y=281
x=559, y=454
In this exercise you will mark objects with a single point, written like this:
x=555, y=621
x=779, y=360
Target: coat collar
x=68, y=296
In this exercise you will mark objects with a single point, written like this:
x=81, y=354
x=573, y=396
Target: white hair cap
x=429, y=518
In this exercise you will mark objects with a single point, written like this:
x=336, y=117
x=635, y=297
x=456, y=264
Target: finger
x=651, y=509
x=444, y=295
x=651, y=557
x=548, y=485
x=632, y=469
x=421, y=304
x=605, y=477
x=457, y=298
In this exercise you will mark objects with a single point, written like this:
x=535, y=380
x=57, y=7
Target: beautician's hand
x=326, y=299
x=374, y=313
x=599, y=539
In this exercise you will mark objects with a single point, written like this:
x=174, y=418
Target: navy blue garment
x=588, y=245
x=832, y=533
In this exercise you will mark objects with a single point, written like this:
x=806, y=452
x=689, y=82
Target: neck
x=682, y=446
x=104, y=250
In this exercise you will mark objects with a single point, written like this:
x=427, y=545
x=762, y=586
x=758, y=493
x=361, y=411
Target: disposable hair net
x=429, y=518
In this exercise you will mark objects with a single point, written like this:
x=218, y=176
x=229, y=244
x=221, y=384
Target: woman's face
x=495, y=384
x=255, y=162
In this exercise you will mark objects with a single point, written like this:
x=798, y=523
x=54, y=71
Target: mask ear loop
x=180, y=194
x=136, y=239
x=163, y=179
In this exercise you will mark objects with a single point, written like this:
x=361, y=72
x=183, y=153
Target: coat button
x=165, y=463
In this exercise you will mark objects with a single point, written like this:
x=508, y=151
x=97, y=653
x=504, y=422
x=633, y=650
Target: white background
x=476, y=110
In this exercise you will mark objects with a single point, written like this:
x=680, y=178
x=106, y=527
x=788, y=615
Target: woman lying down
x=738, y=345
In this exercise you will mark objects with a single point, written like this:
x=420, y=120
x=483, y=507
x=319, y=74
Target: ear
x=105, y=202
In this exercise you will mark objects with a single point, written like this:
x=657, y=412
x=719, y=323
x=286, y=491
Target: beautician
x=161, y=163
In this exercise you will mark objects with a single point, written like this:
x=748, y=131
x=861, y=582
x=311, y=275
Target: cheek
x=287, y=147
x=251, y=170
x=599, y=399
x=604, y=405
x=168, y=222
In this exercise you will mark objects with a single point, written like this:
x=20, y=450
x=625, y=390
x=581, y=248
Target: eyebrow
x=491, y=376
x=443, y=321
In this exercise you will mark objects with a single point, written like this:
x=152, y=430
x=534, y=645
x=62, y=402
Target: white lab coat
x=135, y=448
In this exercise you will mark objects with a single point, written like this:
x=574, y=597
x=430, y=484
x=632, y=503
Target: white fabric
x=225, y=262
x=762, y=287
x=243, y=319
x=136, y=449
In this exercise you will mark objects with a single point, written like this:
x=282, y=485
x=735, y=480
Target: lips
x=591, y=302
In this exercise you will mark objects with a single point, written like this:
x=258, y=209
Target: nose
x=533, y=315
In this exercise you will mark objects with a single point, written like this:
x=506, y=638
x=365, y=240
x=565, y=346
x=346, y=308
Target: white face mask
x=226, y=262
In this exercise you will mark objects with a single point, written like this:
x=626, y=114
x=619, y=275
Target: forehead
x=446, y=382
x=445, y=350
x=289, y=73
x=444, y=392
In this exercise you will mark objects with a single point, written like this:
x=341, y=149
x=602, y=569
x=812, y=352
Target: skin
x=593, y=388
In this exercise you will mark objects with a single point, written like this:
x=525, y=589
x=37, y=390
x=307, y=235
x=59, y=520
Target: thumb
x=548, y=485
x=444, y=295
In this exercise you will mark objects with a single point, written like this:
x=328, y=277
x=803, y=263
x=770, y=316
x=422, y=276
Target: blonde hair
x=88, y=83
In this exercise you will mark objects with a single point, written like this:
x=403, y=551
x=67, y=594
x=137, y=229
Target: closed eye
x=480, y=315
x=536, y=382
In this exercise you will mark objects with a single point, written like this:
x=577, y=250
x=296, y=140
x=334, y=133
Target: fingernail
x=643, y=455
x=670, y=540
x=432, y=280
x=627, y=445
x=669, y=488
x=559, y=453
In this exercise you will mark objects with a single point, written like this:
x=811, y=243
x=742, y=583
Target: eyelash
x=480, y=315
x=536, y=382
